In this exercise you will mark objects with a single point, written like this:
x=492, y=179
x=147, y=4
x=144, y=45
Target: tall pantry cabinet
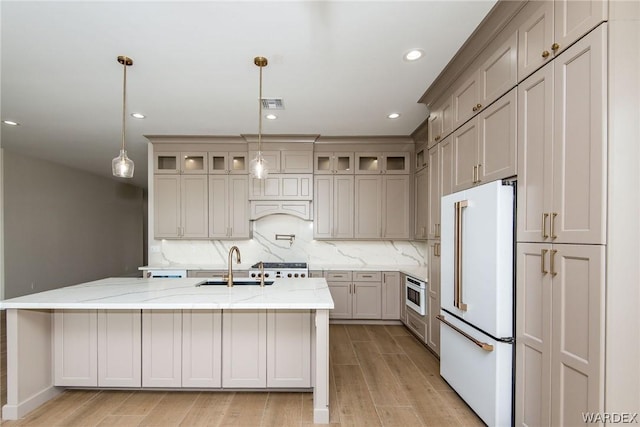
x=561, y=236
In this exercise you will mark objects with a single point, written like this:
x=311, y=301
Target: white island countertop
x=141, y=293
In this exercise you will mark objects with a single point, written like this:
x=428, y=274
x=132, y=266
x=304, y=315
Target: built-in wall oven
x=416, y=295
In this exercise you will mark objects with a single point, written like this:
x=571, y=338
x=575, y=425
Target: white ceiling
x=337, y=65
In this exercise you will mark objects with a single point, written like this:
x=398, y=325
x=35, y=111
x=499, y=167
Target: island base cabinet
x=289, y=348
x=201, y=348
x=161, y=348
x=97, y=348
x=119, y=348
x=75, y=348
x=244, y=349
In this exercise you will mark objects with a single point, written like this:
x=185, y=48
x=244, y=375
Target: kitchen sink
x=222, y=282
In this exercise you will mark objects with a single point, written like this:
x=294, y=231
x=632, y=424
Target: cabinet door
x=433, y=296
x=396, y=213
x=397, y=163
x=580, y=144
x=533, y=335
x=577, y=359
x=497, y=151
x=296, y=161
x=195, y=209
x=289, y=348
x=194, y=162
x=341, y=294
x=161, y=348
x=368, y=218
x=75, y=348
x=446, y=168
x=446, y=112
x=166, y=204
x=218, y=162
x=343, y=163
x=323, y=207
x=367, y=303
x=237, y=162
x=535, y=145
x=239, y=225
x=244, y=348
x=368, y=163
x=201, y=348
x=422, y=157
x=535, y=37
x=433, y=196
x=218, y=206
x=498, y=74
x=391, y=295
x=166, y=162
x=422, y=204
x=465, y=156
x=119, y=348
x=323, y=164
x=573, y=19
x=465, y=101
x=343, y=209
x=434, y=127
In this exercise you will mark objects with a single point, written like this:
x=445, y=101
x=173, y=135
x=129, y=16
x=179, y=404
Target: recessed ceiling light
x=138, y=115
x=271, y=116
x=393, y=115
x=413, y=55
x=10, y=123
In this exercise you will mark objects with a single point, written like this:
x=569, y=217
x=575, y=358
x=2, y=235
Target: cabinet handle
x=553, y=225
x=545, y=54
x=475, y=173
x=544, y=225
x=354, y=288
x=555, y=47
x=543, y=253
x=478, y=173
x=438, y=230
x=366, y=275
x=478, y=106
x=552, y=262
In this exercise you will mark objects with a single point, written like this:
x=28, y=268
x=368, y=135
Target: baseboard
x=363, y=322
x=15, y=412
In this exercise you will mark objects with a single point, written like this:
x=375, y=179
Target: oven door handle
x=482, y=345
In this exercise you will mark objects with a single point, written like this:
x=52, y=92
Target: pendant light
x=122, y=166
x=258, y=166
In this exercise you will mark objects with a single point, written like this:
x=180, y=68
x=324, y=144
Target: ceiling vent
x=272, y=104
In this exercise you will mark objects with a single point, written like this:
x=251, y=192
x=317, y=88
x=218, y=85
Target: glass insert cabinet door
x=382, y=163
x=174, y=162
x=228, y=162
x=333, y=163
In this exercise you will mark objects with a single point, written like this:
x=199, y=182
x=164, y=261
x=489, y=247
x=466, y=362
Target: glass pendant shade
x=258, y=167
x=122, y=166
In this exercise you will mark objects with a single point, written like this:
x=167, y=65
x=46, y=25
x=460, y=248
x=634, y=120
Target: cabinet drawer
x=367, y=276
x=416, y=324
x=339, y=276
x=316, y=273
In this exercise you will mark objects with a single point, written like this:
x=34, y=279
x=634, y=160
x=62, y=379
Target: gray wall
x=63, y=226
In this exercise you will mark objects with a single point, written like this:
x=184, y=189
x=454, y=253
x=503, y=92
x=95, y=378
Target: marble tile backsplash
x=264, y=247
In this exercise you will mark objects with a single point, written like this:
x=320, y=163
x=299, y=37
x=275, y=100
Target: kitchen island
x=34, y=345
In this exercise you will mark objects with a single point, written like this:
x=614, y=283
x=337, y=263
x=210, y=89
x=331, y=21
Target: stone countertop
x=139, y=293
x=419, y=272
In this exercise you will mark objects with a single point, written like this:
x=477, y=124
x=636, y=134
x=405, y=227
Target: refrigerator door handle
x=482, y=345
x=457, y=268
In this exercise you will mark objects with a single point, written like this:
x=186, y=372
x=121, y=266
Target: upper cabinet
x=181, y=207
x=484, y=149
x=221, y=162
x=383, y=163
x=289, y=161
x=440, y=120
x=495, y=77
x=562, y=147
x=382, y=207
x=422, y=157
x=333, y=163
x=553, y=26
x=180, y=163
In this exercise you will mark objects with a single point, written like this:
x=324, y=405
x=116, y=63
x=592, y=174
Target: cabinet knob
x=478, y=106
x=437, y=138
x=475, y=108
x=555, y=47
x=545, y=54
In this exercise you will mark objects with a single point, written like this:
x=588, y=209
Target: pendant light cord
x=260, y=115
x=124, y=99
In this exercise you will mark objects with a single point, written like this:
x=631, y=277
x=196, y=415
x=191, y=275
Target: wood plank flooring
x=379, y=376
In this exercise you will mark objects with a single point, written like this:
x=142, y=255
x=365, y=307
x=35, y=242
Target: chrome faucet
x=230, y=272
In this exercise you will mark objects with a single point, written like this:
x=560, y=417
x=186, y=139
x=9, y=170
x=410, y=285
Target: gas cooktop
x=282, y=265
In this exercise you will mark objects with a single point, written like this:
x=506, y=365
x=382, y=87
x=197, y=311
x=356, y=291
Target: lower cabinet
x=201, y=348
x=161, y=348
x=289, y=348
x=97, y=348
x=356, y=295
x=433, y=297
x=244, y=348
x=417, y=323
x=391, y=295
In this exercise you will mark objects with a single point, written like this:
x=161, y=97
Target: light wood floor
x=379, y=376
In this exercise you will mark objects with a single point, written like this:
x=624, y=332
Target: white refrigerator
x=477, y=299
